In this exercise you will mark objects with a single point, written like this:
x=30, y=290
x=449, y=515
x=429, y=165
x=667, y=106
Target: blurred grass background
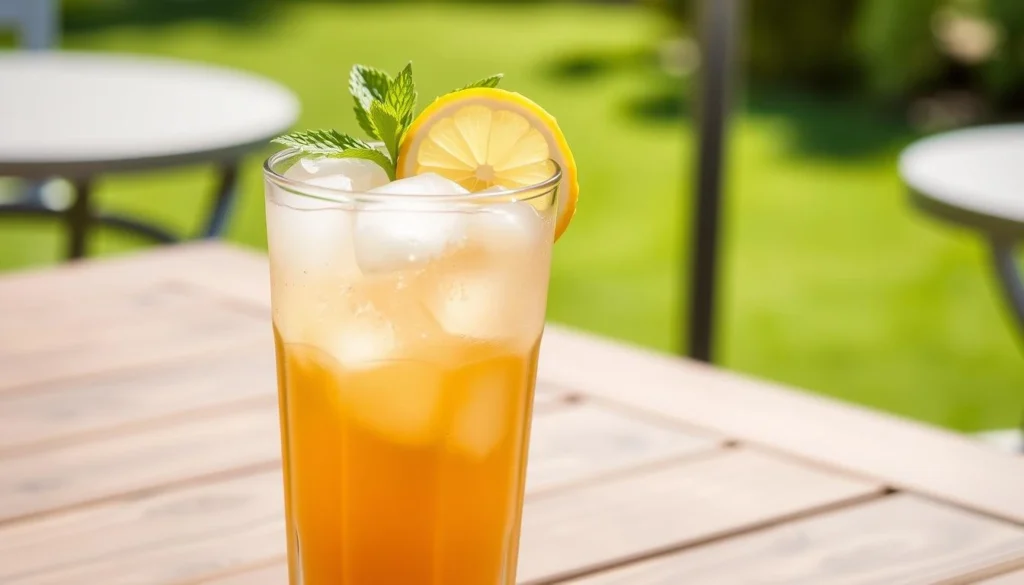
x=831, y=282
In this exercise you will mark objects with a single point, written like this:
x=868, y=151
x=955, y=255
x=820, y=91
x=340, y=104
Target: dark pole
x=718, y=24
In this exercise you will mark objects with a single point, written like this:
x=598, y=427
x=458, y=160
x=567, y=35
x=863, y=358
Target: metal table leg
x=718, y=23
x=1009, y=278
x=1005, y=266
x=79, y=219
x=223, y=201
x=114, y=220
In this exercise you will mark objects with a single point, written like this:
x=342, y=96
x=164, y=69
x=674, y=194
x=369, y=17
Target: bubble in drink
x=393, y=236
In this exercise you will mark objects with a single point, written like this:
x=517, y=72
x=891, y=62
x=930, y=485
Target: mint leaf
x=323, y=142
x=334, y=144
x=401, y=96
x=389, y=127
x=491, y=81
x=384, y=107
x=364, y=121
x=370, y=154
x=367, y=84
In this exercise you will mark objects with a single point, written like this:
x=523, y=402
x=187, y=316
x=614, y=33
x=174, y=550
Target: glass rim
x=334, y=195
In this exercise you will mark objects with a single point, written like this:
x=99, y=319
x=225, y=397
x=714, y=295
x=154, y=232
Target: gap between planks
x=722, y=536
x=901, y=539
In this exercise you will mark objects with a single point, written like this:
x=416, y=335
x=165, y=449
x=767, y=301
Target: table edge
x=698, y=395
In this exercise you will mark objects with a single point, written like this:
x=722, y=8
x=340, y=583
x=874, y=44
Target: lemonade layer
x=405, y=471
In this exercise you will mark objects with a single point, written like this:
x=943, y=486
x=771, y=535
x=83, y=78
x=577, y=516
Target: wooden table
x=139, y=446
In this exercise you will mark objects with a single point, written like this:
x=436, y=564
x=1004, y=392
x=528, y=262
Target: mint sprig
x=385, y=108
x=367, y=84
x=323, y=142
x=491, y=81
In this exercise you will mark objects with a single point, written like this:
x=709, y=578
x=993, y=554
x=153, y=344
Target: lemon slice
x=486, y=137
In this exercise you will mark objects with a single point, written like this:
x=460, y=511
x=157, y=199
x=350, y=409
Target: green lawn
x=831, y=282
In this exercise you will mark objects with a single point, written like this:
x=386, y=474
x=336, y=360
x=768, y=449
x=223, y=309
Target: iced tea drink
x=407, y=320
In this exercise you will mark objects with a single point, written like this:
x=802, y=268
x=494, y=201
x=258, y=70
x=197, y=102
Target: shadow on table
x=86, y=15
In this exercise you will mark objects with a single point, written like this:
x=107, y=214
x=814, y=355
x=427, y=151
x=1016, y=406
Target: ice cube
x=337, y=182
x=347, y=174
x=311, y=260
x=425, y=184
x=504, y=302
x=471, y=304
x=317, y=242
x=485, y=393
x=400, y=400
x=507, y=226
x=356, y=333
x=407, y=233
x=494, y=288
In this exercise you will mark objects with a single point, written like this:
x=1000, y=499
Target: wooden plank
x=275, y=574
x=67, y=476
x=602, y=524
x=900, y=539
x=547, y=397
x=229, y=270
x=905, y=454
x=582, y=441
x=1014, y=578
x=159, y=539
x=206, y=531
x=71, y=409
x=571, y=444
x=49, y=336
x=162, y=566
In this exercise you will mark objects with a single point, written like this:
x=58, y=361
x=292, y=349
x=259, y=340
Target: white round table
x=975, y=178
x=79, y=115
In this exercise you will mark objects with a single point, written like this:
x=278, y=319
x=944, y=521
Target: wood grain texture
x=231, y=271
x=181, y=302
x=897, y=540
x=902, y=453
x=39, y=482
x=547, y=396
x=615, y=520
x=1014, y=578
x=575, y=442
x=275, y=574
x=909, y=455
x=181, y=535
x=49, y=336
x=65, y=411
x=583, y=441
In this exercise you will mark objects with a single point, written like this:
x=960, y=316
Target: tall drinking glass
x=407, y=328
